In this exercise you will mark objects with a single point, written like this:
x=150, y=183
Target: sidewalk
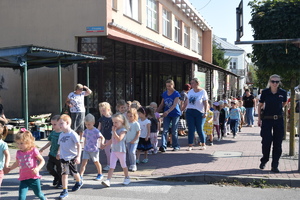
x=230, y=159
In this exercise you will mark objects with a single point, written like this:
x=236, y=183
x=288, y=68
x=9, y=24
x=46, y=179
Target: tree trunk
x=285, y=121
x=292, y=118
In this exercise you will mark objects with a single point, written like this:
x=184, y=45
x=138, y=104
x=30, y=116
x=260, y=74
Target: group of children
x=224, y=117
x=132, y=130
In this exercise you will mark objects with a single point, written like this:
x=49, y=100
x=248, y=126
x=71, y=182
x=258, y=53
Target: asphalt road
x=144, y=189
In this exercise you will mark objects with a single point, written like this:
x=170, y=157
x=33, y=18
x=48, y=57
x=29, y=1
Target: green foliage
x=218, y=57
x=276, y=19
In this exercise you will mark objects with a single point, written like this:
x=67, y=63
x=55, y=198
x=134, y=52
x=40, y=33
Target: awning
x=27, y=57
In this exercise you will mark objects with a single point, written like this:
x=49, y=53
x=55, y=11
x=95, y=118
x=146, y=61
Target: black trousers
x=54, y=168
x=272, y=131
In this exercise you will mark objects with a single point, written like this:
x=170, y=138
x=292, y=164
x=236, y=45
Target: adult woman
x=75, y=101
x=249, y=104
x=272, y=99
x=196, y=109
x=169, y=104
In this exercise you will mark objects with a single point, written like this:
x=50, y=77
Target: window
x=131, y=9
x=152, y=14
x=199, y=46
x=177, y=31
x=194, y=40
x=166, y=29
x=114, y=4
x=232, y=63
x=186, y=37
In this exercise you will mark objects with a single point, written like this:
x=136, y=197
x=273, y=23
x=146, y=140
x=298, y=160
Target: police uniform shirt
x=273, y=102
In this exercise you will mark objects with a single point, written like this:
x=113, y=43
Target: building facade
x=145, y=42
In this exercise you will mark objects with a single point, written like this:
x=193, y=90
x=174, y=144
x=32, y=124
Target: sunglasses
x=272, y=81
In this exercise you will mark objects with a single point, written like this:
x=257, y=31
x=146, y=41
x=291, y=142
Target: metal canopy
x=27, y=57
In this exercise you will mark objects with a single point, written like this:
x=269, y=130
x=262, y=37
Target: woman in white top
x=196, y=108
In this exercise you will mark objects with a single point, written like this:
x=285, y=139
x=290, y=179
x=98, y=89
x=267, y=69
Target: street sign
x=239, y=21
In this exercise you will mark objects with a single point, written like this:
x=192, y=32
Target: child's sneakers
x=106, y=168
x=63, y=194
x=106, y=183
x=77, y=185
x=99, y=177
x=145, y=160
x=126, y=181
x=134, y=168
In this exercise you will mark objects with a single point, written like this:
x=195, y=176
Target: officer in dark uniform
x=270, y=118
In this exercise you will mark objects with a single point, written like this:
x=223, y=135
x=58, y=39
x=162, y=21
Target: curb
x=211, y=178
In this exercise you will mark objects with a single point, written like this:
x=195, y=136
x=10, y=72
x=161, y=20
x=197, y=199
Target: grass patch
x=261, y=183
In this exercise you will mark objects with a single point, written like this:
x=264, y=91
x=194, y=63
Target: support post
x=88, y=85
x=59, y=86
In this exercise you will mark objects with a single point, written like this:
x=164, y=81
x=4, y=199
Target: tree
x=277, y=19
x=218, y=57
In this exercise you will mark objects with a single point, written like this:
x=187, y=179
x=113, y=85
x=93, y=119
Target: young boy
x=91, y=151
x=52, y=161
x=69, y=154
x=235, y=117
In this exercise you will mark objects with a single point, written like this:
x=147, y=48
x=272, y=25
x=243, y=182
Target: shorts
x=94, y=156
x=78, y=121
x=68, y=167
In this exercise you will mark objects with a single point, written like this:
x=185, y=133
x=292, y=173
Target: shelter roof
x=38, y=56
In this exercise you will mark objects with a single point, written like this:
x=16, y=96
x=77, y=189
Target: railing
x=239, y=72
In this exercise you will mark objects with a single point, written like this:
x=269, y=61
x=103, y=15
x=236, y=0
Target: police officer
x=272, y=100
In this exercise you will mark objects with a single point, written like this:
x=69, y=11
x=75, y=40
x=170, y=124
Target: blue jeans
x=132, y=153
x=250, y=116
x=166, y=125
x=34, y=184
x=234, y=123
x=195, y=121
x=268, y=138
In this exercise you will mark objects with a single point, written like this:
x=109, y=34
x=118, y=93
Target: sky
x=221, y=16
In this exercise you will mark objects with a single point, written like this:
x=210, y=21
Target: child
x=26, y=158
x=52, y=161
x=144, y=141
x=153, y=129
x=235, y=117
x=216, y=118
x=4, y=154
x=105, y=124
x=209, y=126
x=222, y=118
x=132, y=137
x=243, y=112
x=91, y=151
x=118, y=148
x=157, y=115
x=122, y=107
x=69, y=154
x=227, y=119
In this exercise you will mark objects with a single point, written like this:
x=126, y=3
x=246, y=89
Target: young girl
x=132, y=137
x=216, y=118
x=4, y=154
x=144, y=141
x=122, y=107
x=235, y=117
x=26, y=158
x=153, y=129
x=118, y=148
x=105, y=125
x=243, y=112
x=91, y=151
x=209, y=126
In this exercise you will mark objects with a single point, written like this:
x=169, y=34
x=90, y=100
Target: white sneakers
x=106, y=183
x=126, y=181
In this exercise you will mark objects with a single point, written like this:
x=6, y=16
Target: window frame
x=166, y=23
x=152, y=10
